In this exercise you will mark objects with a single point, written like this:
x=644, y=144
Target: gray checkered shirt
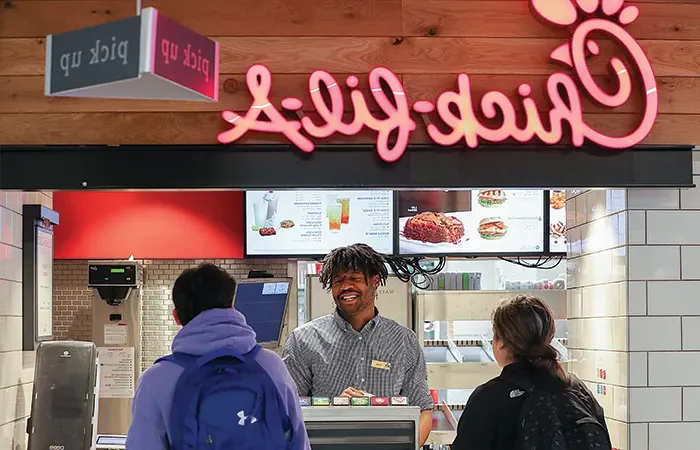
x=326, y=356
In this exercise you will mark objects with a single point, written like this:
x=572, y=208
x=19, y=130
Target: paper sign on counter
x=269, y=288
x=116, y=372
x=281, y=288
x=116, y=334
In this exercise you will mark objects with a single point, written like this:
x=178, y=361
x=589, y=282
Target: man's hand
x=352, y=392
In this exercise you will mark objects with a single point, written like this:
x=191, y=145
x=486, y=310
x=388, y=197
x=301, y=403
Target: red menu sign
x=185, y=57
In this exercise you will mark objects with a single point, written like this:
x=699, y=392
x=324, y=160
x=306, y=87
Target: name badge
x=381, y=365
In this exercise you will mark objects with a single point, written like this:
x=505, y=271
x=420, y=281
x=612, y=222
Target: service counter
x=362, y=428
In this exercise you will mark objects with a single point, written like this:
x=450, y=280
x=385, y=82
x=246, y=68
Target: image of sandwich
x=557, y=199
x=434, y=228
x=492, y=198
x=492, y=228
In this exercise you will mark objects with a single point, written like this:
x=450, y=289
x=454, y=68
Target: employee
x=356, y=352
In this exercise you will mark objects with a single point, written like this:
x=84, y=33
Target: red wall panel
x=149, y=225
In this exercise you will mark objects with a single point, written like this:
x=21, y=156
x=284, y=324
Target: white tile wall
x=690, y=263
x=647, y=242
x=654, y=333
x=673, y=227
x=654, y=263
x=16, y=367
x=691, y=404
x=691, y=334
x=655, y=404
x=673, y=436
x=674, y=369
x=653, y=199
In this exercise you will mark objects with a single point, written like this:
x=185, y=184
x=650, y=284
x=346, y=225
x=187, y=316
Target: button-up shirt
x=326, y=356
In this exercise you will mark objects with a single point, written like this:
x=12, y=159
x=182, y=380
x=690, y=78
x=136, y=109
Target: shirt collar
x=345, y=326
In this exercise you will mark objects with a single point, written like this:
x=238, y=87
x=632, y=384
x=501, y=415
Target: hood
x=214, y=329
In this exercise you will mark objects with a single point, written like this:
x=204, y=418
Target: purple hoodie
x=208, y=331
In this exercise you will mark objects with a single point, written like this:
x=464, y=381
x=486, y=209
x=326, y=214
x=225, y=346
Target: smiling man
x=355, y=351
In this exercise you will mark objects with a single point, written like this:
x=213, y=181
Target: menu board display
x=312, y=223
x=494, y=221
x=557, y=221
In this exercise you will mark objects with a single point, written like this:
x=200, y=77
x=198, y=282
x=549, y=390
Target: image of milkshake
x=259, y=214
x=271, y=200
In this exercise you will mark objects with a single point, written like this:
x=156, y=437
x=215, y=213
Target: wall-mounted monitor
x=488, y=222
x=557, y=222
x=306, y=223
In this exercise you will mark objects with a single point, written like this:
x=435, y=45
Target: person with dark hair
x=226, y=388
x=356, y=352
x=534, y=404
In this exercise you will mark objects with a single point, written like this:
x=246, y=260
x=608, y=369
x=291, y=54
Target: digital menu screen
x=470, y=222
x=557, y=221
x=312, y=223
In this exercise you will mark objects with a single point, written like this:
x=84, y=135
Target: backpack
x=226, y=401
x=558, y=419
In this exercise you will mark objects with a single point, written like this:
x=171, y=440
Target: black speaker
x=64, y=401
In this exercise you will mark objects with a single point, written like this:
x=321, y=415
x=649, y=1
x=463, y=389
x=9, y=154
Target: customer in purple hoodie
x=203, y=299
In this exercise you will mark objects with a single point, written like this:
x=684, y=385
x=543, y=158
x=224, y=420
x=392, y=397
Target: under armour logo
x=516, y=393
x=243, y=417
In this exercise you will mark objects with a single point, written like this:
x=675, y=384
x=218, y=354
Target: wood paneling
x=214, y=17
x=202, y=127
x=488, y=18
x=426, y=42
x=418, y=55
x=26, y=95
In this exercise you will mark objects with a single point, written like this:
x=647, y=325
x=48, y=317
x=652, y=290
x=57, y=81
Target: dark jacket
x=491, y=416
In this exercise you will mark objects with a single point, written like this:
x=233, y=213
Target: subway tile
x=598, y=333
x=580, y=212
x=637, y=298
x=655, y=404
x=574, y=244
x=653, y=199
x=10, y=369
x=673, y=227
x=574, y=303
x=674, y=298
x=674, y=369
x=673, y=436
x=691, y=404
x=690, y=198
x=586, y=364
x=614, y=402
x=595, y=204
x=13, y=435
x=690, y=262
x=654, y=333
x=601, y=234
x=10, y=298
x=638, y=365
x=10, y=334
x=10, y=263
x=15, y=402
x=691, y=335
x=636, y=227
x=615, y=200
x=604, y=300
x=639, y=436
x=619, y=432
x=13, y=201
x=654, y=263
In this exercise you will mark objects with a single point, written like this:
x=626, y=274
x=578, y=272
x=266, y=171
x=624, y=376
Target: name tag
x=381, y=365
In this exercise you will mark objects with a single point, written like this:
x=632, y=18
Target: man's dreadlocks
x=356, y=257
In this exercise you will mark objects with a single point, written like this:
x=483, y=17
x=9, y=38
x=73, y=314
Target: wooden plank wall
x=497, y=42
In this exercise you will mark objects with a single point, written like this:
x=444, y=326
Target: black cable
x=540, y=264
x=410, y=270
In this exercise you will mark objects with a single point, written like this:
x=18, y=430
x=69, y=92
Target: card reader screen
x=119, y=270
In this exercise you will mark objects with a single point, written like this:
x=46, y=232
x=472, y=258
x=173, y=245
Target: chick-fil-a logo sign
x=582, y=16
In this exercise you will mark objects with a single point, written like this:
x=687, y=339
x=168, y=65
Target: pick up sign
x=149, y=56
